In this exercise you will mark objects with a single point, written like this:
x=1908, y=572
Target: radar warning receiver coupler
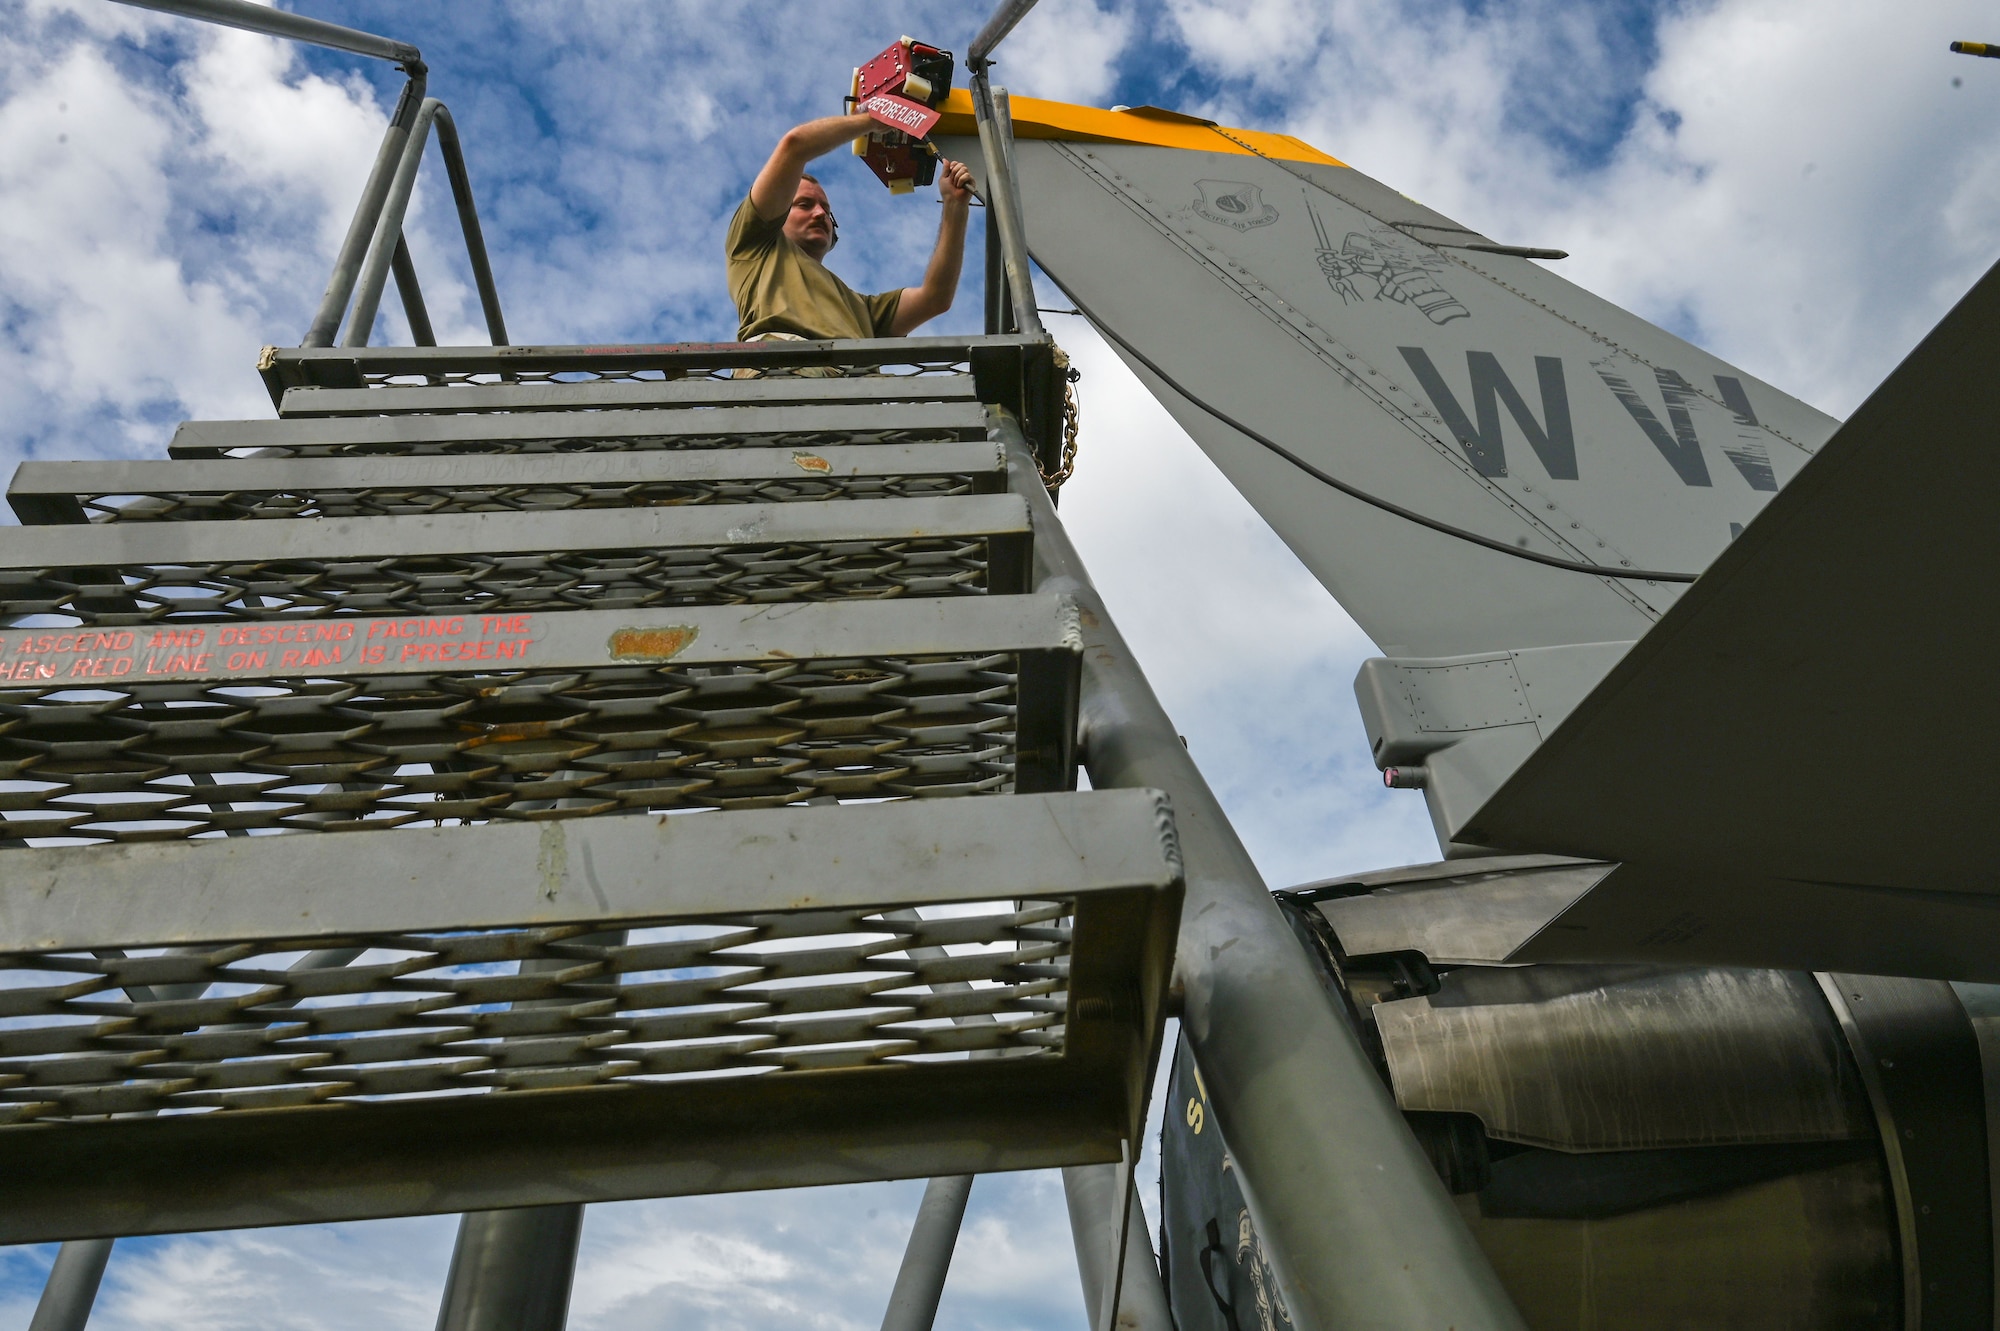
x=902, y=89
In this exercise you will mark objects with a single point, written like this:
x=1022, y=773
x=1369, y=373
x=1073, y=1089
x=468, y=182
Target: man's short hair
x=831, y=219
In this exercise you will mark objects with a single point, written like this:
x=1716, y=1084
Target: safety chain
x=1054, y=480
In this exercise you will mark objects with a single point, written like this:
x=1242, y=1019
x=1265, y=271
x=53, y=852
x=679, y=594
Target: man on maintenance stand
x=785, y=228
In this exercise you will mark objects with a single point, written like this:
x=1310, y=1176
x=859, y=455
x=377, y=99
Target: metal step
x=600, y=957
x=361, y=723
x=576, y=1012
x=175, y=572
x=893, y=357
x=1014, y=372
x=259, y=487
x=807, y=427
x=302, y=403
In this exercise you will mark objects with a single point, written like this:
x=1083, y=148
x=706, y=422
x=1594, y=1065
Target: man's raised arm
x=926, y=302
x=771, y=194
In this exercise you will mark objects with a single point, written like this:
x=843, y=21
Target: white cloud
x=1067, y=51
x=156, y=230
x=387, y=1274
x=1249, y=655
x=1792, y=186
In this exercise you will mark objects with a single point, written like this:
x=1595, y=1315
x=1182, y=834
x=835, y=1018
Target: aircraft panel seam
x=1620, y=348
x=1498, y=281
x=1247, y=288
x=1136, y=201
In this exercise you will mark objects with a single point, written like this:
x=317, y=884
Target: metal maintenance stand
x=517, y=777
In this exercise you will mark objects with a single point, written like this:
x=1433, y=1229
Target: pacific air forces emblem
x=1233, y=203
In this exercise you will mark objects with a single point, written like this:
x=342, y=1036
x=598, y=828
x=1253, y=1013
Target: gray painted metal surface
x=686, y=635
x=1462, y=912
x=488, y=584
x=388, y=235
x=1920, y=1060
x=1363, y=1236
x=1664, y=915
x=1093, y=1194
x=279, y=23
x=360, y=367
x=71, y=1288
x=603, y=872
x=384, y=486
x=1459, y=726
x=302, y=403
x=384, y=434
x=581, y=1147
x=512, y=1270
x=1605, y=1059
x=1005, y=16
x=361, y=227
x=1013, y=371
x=388, y=241
x=996, y=139
x=468, y=224
x=1798, y=655
x=1295, y=311
x=1484, y=391
x=411, y=290
x=417, y=720
x=200, y=545
x=755, y=882
x=913, y=1302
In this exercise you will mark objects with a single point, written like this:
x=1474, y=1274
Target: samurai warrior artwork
x=1373, y=266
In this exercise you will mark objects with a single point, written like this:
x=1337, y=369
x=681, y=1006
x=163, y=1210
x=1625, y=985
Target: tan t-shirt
x=779, y=288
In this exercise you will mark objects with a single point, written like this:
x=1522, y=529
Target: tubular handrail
x=388, y=228
x=468, y=221
x=280, y=23
x=374, y=244
x=404, y=269
x=1004, y=18
x=361, y=229
x=996, y=142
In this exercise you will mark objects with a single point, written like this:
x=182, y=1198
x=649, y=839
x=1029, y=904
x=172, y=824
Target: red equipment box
x=902, y=89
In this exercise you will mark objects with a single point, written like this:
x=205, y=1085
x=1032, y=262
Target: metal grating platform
x=368, y=723
x=765, y=982
x=145, y=573
x=599, y=394
x=440, y=367
x=254, y=487
x=1017, y=374
x=670, y=684
x=423, y=1014
x=582, y=431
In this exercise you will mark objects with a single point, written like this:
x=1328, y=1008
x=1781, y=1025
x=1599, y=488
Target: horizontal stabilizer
x=1818, y=709
x=1670, y=916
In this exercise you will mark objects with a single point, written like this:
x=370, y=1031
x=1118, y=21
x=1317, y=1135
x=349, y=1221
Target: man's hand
x=921, y=304
x=778, y=183
x=954, y=183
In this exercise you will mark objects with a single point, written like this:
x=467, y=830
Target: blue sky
x=1795, y=184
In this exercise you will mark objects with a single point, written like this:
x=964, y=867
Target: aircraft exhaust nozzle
x=1405, y=778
